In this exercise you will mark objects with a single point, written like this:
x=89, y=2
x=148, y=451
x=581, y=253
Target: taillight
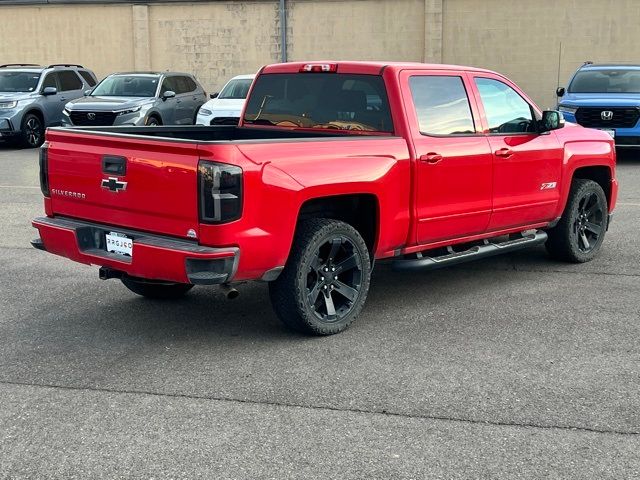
x=220, y=190
x=320, y=67
x=44, y=169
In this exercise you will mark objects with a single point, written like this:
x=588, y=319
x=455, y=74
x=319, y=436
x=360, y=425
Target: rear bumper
x=154, y=257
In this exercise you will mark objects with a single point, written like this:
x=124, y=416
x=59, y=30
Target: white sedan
x=225, y=107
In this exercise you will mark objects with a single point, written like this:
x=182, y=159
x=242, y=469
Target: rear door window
x=442, y=105
x=69, y=81
x=326, y=101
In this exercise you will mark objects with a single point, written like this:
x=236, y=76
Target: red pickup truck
x=332, y=166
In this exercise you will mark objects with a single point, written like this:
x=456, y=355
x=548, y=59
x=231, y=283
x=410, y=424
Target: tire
x=156, y=290
x=579, y=235
x=308, y=296
x=153, y=121
x=31, y=131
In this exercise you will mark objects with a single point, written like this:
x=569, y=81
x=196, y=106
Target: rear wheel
x=32, y=131
x=579, y=235
x=325, y=282
x=156, y=290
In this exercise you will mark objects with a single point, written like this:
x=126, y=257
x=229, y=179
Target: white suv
x=225, y=107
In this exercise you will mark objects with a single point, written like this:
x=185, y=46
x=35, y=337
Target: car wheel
x=579, y=235
x=325, y=281
x=156, y=290
x=32, y=131
x=153, y=122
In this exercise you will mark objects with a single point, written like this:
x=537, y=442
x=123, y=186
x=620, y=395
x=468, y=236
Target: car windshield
x=19, y=81
x=615, y=80
x=320, y=101
x=127, y=86
x=236, y=89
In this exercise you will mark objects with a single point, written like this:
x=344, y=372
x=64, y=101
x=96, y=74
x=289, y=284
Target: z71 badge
x=548, y=186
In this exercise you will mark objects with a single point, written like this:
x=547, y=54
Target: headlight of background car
x=66, y=112
x=205, y=112
x=8, y=105
x=566, y=109
x=132, y=110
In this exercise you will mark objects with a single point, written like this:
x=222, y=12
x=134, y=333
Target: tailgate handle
x=114, y=165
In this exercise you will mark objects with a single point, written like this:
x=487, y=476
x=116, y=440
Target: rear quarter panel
x=280, y=177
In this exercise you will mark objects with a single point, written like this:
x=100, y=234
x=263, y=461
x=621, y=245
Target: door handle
x=431, y=158
x=504, y=152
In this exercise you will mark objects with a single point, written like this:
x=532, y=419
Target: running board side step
x=487, y=249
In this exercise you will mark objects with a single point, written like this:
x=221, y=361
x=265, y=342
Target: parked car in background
x=138, y=98
x=225, y=107
x=32, y=98
x=606, y=97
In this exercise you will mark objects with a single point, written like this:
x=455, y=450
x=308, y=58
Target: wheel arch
x=360, y=210
x=34, y=111
x=601, y=174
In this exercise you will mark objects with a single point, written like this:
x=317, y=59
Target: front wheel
x=156, y=290
x=579, y=235
x=32, y=133
x=325, y=282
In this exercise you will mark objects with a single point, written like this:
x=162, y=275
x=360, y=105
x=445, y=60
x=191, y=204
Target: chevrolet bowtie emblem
x=113, y=184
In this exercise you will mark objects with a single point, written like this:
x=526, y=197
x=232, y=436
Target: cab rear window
x=320, y=100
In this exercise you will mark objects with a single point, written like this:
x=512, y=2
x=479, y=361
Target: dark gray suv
x=33, y=97
x=139, y=98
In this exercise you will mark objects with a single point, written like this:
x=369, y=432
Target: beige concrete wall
x=356, y=29
x=97, y=36
x=214, y=40
x=218, y=39
x=522, y=38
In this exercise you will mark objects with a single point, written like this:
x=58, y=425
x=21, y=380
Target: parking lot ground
x=512, y=367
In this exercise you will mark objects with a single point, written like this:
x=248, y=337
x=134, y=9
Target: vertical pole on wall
x=283, y=30
x=559, y=62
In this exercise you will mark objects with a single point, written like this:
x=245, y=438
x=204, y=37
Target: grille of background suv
x=102, y=119
x=623, y=117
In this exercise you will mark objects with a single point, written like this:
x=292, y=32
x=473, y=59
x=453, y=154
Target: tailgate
x=155, y=190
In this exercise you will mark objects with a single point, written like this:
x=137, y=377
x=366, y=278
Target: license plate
x=119, y=243
x=609, y=131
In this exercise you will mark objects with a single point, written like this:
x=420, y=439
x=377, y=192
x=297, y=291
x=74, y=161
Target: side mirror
x=214, y=95
x=560, y=91
x=87, y=92
x=551, y=120
x=49, y=91
x=168, y=94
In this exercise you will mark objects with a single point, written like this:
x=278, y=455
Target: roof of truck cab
x=371, y=68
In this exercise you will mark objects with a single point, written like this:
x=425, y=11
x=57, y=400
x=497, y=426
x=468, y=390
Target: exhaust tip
x=229, y=292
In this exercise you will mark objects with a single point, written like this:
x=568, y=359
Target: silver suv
x=32, y=98
x=138, y=98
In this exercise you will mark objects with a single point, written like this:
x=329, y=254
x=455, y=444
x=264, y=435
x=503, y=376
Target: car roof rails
x=19, y=65
x=53, y=65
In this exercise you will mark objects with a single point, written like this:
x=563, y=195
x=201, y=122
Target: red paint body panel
x=467, y=195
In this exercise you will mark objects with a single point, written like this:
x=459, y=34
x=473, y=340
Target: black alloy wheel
x=589, y=224
x=32, y=131
x=326, y=279
x=579, y=234
x=334, y=279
